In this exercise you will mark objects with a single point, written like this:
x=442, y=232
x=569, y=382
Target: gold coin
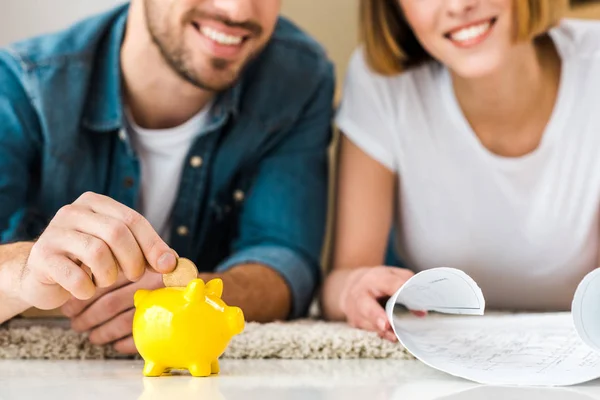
x=183, y=274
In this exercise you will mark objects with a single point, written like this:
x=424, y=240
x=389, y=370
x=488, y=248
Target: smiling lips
x=472, y=34
x=221, y=37
x=221, y=41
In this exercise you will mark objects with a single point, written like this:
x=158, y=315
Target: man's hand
x=363, y=289
x=108, y=316
x=87, y=245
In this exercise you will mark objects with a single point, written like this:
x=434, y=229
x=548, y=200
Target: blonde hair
x=391, y=47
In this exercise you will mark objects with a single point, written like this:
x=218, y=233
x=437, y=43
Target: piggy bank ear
x=215, y=288
x=194, y=291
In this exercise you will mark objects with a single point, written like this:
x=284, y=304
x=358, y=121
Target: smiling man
x=163, y=128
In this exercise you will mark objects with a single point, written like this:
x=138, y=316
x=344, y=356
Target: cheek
x=506, y=5
x=507, y=11
x=162, y=19
x=268, y=14
x=422, y=18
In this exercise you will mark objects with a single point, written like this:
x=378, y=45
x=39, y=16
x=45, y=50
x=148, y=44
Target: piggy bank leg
x=200, y=369
x=214, y=367
x=153, y=369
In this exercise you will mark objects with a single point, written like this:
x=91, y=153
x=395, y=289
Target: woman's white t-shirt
x=526, y=228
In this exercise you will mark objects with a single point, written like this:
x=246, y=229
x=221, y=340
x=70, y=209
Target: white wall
x=332, y=22
x=23, y=18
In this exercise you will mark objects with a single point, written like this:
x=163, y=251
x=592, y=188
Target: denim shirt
x=260, y=194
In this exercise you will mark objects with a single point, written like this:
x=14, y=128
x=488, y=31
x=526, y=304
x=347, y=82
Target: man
x=164, y=128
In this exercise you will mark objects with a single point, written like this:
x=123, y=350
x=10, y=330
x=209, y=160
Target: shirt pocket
x=223, y=222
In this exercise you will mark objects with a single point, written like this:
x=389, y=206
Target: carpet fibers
x=305, y=339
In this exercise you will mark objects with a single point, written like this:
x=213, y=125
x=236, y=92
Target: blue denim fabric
x=260, y=195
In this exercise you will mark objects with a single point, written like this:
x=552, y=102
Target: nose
x=236, y=10
x=461, y=8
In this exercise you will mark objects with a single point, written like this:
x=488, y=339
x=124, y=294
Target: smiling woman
x=465, y=135
x=391, y=45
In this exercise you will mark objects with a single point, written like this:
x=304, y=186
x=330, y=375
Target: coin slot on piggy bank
x=184, y=327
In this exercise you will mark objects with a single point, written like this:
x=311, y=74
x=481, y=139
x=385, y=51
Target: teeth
x=470, y=33
x=220, y=37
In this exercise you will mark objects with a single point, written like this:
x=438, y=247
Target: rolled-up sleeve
x=283, y=221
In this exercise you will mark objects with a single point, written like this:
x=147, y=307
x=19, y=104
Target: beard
x=220, y=75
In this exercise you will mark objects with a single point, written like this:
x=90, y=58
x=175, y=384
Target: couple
x=200, y=128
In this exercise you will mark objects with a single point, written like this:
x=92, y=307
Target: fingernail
x=381, y=324
x=167, y=262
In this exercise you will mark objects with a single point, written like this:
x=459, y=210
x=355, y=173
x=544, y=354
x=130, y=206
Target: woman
x=472, y=128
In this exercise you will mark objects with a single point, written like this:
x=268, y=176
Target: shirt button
x=128, y=182
x=196, y=161
x=182, y=230
x=122, y=135
x=239, y=196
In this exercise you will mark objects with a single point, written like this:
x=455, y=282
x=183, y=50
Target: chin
x=476, y=68
x=209, y=77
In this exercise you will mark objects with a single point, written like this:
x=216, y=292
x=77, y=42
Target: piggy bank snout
x=235, y=320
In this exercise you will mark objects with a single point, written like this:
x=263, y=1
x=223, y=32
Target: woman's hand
x=366, y=194
x=362, y=292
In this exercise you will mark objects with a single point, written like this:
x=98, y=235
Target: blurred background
x=332, y=22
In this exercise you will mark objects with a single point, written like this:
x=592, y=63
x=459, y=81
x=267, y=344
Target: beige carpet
x=307, y=339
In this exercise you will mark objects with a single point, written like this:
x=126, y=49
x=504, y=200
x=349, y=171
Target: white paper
x=444, y=290
x=526, y=349
x=586, y=309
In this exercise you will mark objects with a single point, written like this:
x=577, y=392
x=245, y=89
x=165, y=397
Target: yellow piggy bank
x=184, y=328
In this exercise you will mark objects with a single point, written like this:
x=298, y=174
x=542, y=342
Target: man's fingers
x=126, y=346
x=90, y=250
x=105, y=308
x=65, y=273
x=114, y=232
x=115, y=329
x=74, y=307
x=158, y=254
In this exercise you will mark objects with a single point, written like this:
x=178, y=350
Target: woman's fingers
x=365, y=288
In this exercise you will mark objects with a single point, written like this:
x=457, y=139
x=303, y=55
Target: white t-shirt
x=162, y=154
x=526, y=228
